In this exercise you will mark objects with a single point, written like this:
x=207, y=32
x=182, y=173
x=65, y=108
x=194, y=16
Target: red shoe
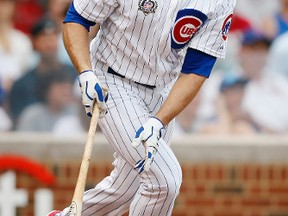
x=54, y=213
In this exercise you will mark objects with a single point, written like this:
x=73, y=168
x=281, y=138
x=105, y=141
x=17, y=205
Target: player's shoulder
x=225, y=5
x=220, y=8
x=211, y=8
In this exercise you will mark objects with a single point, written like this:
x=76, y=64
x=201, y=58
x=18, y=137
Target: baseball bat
x=76, y=205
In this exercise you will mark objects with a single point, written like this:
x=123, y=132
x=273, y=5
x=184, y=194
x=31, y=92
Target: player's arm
x=196, y=68
x=76, y=40
x=183, y=92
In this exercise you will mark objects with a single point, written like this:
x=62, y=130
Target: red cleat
x=54, y=213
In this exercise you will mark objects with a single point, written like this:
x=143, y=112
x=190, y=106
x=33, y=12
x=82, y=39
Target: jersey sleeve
x=212, y=37
x=198, y=62
x=73, y=16
x=95, y=10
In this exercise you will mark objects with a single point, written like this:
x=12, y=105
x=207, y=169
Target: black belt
x=111, y=71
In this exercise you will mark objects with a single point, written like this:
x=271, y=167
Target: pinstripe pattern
x=138, y=46
x=158, y=188
x=209, y=38
x=134, y=42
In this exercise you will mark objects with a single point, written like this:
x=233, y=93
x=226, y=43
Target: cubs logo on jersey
x=226, y=27
x=147, y=6
x=187, y=23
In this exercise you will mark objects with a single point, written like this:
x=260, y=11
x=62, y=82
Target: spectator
x=187, y=121
x=73, y=124
x=211, y=89
x=240, y=23
x=277, y=24
x=45, y=41
x=15, y=47
x=28, y=13
x=231, y=117
x=255, y=10
x=56, y=10
x=56, y=93
x=271, y=91
x=277, y=59
x=253, y=54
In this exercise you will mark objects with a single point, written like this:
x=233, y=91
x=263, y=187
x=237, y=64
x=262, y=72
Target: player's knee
x=165, y=191
x=176, y=184
x=173, y=189
x=170, y=190
x=172, y=185
x=172, y=182
x=175, y=181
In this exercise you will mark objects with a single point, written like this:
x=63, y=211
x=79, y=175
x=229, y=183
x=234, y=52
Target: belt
x=111, y=71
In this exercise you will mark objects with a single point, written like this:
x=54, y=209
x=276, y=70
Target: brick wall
x=234, y=190
x=212, y=189
x=221, y=176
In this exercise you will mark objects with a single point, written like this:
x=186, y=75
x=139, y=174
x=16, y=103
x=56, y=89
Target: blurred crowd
x=247, y=93
x=37, y=79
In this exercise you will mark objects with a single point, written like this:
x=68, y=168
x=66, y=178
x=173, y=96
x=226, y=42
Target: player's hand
x=148, y=135
x=92, y=91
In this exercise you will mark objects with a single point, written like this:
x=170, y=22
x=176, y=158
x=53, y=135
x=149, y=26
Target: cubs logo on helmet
x=226, y=27
x=187, y=23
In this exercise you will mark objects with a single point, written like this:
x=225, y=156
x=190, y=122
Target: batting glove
x=92, y=91
x=148, y=135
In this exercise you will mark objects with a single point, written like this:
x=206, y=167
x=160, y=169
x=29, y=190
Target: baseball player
x=132, y=72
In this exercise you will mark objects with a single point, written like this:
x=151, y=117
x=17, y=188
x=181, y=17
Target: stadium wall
x=222, y=175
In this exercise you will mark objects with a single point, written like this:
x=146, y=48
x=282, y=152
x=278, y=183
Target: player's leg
x=127, y=112
x=113, y=195
x=160, y=186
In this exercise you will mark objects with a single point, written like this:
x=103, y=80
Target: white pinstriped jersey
x=212, y=37
x=136, y=42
